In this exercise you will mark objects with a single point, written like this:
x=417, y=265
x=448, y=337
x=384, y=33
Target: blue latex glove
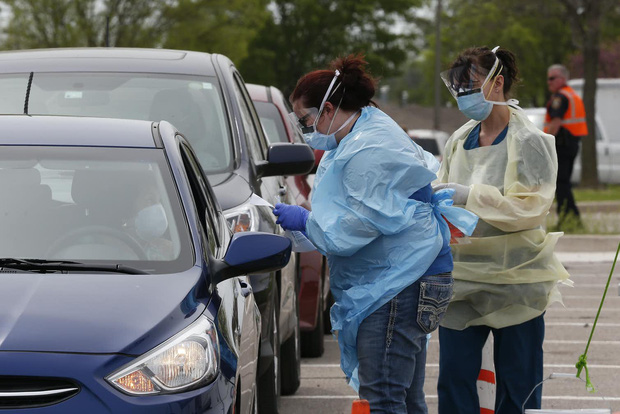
x=461, y=192
x=291, y=217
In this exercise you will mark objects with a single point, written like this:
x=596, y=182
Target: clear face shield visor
x=469, y=79
x=314, y=113
x=307, y=120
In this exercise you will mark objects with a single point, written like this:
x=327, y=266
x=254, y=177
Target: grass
x=609, y=192
x=598, y=216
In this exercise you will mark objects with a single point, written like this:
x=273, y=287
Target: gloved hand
x=291, y=217
x=461, y=192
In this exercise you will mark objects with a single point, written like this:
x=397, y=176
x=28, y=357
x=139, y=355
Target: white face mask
x=151, y=222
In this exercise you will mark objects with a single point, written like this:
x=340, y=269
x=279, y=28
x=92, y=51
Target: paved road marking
x=434, y=340
x=598, y=324
x=436, y=365
x=434, y=397
x=585, y=257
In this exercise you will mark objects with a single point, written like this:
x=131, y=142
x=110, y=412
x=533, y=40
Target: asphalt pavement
x=588, y=259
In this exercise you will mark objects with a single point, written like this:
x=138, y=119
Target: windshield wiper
x=43, y=265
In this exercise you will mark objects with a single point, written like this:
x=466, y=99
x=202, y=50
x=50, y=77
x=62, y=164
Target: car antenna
x=28, y=93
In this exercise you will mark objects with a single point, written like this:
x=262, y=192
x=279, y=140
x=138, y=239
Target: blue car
x=122, y=288
x=205, y=97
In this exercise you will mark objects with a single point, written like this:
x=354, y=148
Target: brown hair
x=485, y=58
x=355, y=86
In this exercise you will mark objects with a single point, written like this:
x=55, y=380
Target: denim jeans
x=391, y=346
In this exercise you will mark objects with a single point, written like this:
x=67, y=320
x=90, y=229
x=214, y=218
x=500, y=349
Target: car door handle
x=245, y=289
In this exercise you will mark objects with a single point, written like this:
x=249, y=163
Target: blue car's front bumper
x=87, y=371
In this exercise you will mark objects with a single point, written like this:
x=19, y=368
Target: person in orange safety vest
x=566, y=120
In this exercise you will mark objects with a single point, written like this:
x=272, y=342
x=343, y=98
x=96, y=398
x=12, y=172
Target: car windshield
x=193, y=104
x=92, y=205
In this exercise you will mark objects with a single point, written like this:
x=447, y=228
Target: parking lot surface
x=588, y=259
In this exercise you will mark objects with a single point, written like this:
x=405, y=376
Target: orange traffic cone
x=360, y=407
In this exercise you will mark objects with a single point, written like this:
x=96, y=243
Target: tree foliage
x=304, y=35
x=216, y=26
x=74, y=23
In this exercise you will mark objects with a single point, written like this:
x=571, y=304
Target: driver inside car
x=149, y=225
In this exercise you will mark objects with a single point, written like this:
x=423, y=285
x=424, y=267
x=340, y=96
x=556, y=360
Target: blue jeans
x=391, y=346
x=518, y=358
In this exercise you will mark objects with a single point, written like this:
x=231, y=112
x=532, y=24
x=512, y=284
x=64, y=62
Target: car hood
x=230, y=190
x=96, y=313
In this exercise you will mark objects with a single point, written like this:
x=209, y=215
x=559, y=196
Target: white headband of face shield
x=512, y=102
x=326, y=97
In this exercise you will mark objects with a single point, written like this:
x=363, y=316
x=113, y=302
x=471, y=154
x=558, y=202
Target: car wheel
x=291, y=359
x=312, y=341
x=269, y=384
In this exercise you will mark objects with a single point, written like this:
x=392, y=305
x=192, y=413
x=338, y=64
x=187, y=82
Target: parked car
x=205, y=97
x=122, y=289
x=431, y=140
x=607, y=152
x=314, y=294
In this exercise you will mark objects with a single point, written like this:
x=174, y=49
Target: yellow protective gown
x=508, y=273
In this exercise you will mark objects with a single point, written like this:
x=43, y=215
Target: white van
x=608, y=171
x=608, y=144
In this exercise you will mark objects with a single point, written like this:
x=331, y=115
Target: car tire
x=312, y=341
x=269, y=383
x=290, y=355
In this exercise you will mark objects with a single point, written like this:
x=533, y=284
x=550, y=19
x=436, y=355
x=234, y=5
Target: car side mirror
x=285, y=158
x=252, y=252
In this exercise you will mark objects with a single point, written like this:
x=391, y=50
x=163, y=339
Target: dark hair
x=355, y=86
x=485, y=58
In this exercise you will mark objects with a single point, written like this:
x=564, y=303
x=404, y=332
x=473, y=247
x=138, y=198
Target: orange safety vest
x=574, y=119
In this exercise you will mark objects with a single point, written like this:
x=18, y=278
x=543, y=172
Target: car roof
x=132, y=60
x=75, y=131
x=259, y=93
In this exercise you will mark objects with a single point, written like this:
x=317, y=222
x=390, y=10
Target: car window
x=428, y=144
x=193, y=104
x=104, y=205
x=272, y=122
x=202, y=197
x=251, y=124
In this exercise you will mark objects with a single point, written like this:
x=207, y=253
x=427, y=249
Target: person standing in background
x=566, y=120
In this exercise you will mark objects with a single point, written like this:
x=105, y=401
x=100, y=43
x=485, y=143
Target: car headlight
x=187, y=360
x=242, y=218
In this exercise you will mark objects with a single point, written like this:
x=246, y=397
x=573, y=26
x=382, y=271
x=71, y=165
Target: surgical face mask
x=474, y=106
x=151, y=222
x=326, y=142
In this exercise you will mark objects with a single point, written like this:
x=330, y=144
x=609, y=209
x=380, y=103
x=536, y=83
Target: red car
x=314, y=296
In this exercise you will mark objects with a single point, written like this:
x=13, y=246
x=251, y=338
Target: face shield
x=314, y=112
x=469, y=79
x=304, y=122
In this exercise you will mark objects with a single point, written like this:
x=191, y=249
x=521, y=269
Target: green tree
x=74, y=23
x=216, y=26
x=303, y=35
x=587, y=18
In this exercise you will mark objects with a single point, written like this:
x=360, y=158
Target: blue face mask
x=474, y=106
x=321, y=141
x=151, y=222
x=326, y=142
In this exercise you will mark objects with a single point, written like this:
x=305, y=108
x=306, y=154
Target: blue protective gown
x=377, y=240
